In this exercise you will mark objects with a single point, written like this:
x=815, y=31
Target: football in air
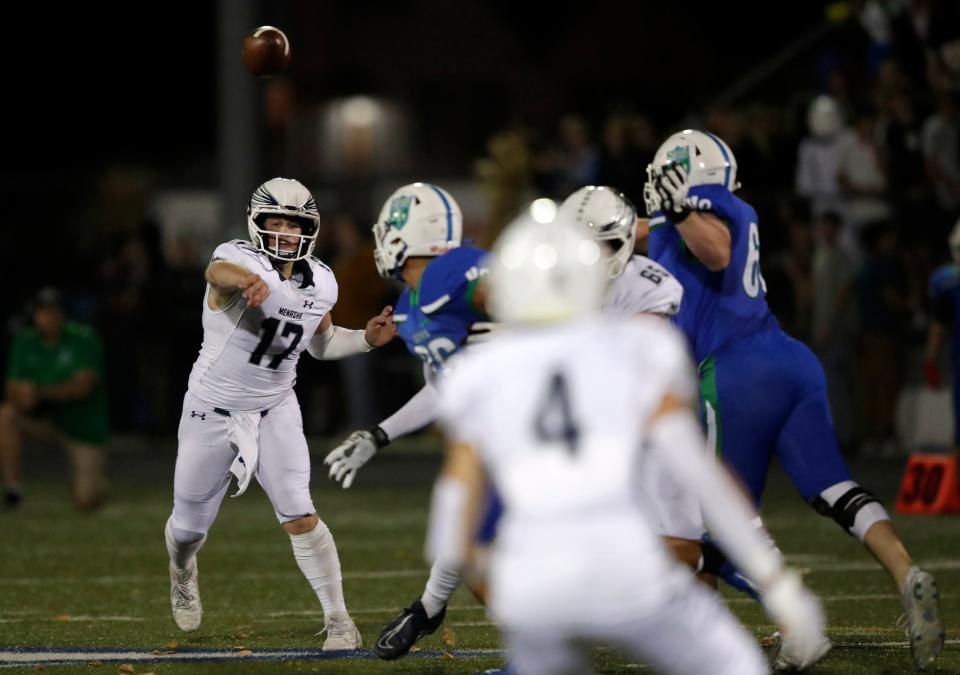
x=266, y=51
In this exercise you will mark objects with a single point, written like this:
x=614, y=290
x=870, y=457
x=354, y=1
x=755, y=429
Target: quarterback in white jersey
x=267, y=300
x=563, y=441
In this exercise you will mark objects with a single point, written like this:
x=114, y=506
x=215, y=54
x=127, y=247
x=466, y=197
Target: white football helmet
x=290, y=199
x=955, y=243
x=545, y=271
x=706, y=158
x=418, y=220
x=608, y=216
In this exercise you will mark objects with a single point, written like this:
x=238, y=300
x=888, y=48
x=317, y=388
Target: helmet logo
x=399, y=212
x=681, y=156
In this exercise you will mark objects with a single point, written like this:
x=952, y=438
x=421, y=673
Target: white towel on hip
x=243, y=431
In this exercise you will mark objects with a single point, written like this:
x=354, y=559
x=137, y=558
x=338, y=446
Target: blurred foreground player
x=267, y=300
x=564, y=441
x=762, y=392
x=55, y=392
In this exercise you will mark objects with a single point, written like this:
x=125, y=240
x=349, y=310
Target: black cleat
x=406, y=630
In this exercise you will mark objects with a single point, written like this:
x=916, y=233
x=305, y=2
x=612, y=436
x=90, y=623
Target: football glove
x=672, y=185
x=347, y=458
x=800, y=617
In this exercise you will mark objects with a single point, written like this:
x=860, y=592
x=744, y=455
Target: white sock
x=183, y=549
x=316, y=555
x=440, y=588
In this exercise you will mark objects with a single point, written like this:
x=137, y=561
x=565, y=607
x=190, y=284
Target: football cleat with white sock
x=922, y=613
x=185, y=596
x=341, y=634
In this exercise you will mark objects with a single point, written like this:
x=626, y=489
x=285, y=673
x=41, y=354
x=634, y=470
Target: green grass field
x=73, y=582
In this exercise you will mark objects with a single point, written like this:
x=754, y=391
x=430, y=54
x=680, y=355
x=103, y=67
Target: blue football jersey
x=438, y=318
x=718, y=307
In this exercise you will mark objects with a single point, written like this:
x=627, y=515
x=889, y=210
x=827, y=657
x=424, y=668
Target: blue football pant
x=767, y=394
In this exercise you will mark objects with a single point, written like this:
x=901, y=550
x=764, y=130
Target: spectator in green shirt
x=55, y=391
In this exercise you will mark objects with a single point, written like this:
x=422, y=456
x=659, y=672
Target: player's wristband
x=380, y=437
x=679, y=216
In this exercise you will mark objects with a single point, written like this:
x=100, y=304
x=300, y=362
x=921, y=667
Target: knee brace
x=853, y=508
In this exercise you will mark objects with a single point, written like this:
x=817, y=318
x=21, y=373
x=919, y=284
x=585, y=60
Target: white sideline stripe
x=11, y=659
x=250, y=576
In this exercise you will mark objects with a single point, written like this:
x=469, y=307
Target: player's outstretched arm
x=678, y=442
x=335, y=342
x=226, y=278
x=360, y=446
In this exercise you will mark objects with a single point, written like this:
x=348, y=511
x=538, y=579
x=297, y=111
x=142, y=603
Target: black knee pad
x=846, y=507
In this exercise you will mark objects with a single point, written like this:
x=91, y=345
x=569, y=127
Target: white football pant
x=204, y=456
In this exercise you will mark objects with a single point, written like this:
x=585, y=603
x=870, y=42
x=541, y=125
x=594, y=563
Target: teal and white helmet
x=706, y=158
x=287, y=198
x=418, y=220
x=608, y=216
x=544, y=270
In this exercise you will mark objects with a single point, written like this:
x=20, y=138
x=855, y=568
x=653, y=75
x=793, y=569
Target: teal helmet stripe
x=446, y=205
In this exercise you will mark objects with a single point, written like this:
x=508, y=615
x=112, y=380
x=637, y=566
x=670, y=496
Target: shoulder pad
x=447, y=277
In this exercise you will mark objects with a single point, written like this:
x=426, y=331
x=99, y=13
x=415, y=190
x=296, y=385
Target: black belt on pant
x=226, y=413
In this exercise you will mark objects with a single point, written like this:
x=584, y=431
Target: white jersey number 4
x=554, y=422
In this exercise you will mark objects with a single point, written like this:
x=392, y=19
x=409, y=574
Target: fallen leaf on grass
x=171, y=645
x=448, y=655
x=244, y=652
x=449, y=637
x=127, y=669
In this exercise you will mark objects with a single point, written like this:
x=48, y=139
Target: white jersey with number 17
x=248, y=361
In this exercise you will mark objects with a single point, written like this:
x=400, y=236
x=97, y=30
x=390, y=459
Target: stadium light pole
x=238, y=140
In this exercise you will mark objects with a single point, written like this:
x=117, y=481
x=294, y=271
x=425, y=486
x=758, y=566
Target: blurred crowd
x=850, y=154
